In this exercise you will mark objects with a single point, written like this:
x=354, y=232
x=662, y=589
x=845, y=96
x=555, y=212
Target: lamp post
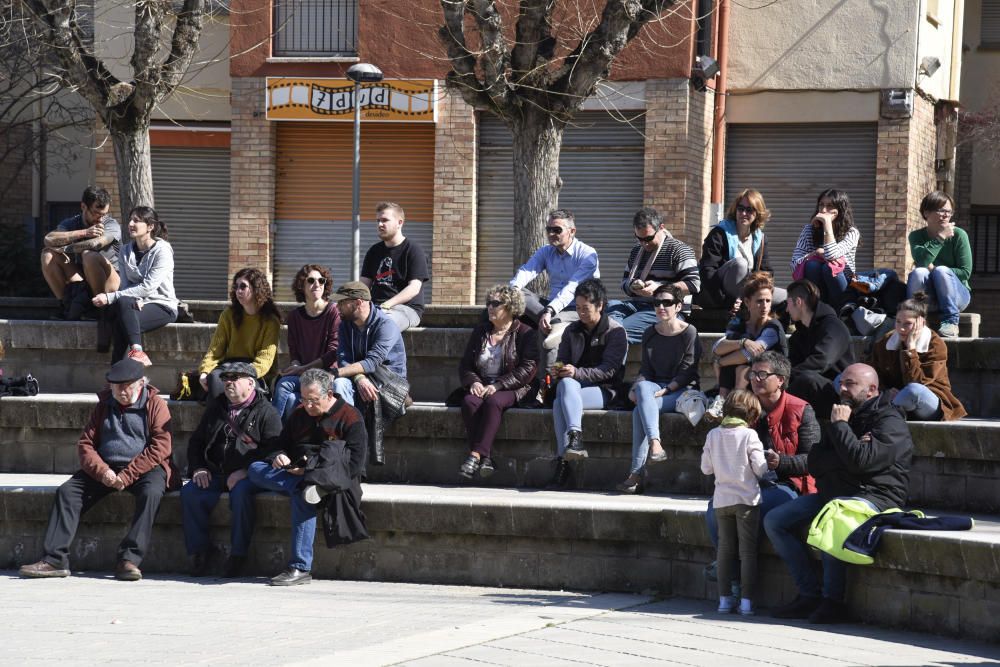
x=359, y=73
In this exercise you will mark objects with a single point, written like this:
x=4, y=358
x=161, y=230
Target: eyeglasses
x=748, y=210
x=316, y=281
x=664, y=303
x=945, y=212
x=231, y=377
x=759, y=376
x=554, y=229
x=493, y=303
x=239, y=287
x=311, y=401
x=645, y=239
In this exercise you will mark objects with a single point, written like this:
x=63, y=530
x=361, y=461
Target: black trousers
x=129, y=323
x=80, y=492
x=815, y=389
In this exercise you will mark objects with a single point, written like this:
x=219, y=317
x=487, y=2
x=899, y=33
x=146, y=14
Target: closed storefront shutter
x=790, y=165
x=314, y=185
x=601, y=164
x=191, y=187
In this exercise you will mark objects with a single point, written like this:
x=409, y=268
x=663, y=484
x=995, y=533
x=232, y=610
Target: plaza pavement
x=90, y=619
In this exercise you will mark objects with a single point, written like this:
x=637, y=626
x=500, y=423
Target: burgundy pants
x=482, y=418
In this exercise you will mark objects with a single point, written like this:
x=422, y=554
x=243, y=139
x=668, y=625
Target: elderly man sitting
x=238, y=428
x=126, y=446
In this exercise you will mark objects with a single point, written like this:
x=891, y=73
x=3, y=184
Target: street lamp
x=359, y=73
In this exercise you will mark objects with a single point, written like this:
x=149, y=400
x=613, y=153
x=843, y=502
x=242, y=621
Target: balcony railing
x=319, y=28
x=985, y=233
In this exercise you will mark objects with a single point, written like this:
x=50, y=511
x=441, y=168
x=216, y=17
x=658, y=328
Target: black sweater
x=824, y=346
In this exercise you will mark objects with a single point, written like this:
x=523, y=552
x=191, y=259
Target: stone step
x=61, y=355
x=956, y=464
x=939, y=582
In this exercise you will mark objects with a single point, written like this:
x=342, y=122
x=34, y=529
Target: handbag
x=188, y=387
x=392, y=389
x=834, y=524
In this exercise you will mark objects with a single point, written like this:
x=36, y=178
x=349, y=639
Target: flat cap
x=126, y=370
x=244, y=368
x=352, y=290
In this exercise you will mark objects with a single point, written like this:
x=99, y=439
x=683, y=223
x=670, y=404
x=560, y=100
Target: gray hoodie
x=150, y=280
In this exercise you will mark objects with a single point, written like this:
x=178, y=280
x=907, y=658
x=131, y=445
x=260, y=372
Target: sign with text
x=292, y=98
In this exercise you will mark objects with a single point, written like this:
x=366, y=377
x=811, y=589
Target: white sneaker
x=715, y=408
x=948, y=330
x=746, y=607
x=727, y=604
x=310, y=494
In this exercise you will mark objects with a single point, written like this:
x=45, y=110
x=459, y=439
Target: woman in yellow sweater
x=248, y=330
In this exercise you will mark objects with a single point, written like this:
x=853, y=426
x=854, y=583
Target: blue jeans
x=947, y=294
x=831, y=287
x=303, y=514
x=635, y=316
x=918, y=402
x=784, y=526
x=646, y=419
x=197, y=505
x=770, y=497
x=286, y=396
x=345, y=388
x=572, y=398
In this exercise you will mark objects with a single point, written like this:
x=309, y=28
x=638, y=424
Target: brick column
x=453, y=258
x=904, y=174
x=253, y=155
x=678, y=159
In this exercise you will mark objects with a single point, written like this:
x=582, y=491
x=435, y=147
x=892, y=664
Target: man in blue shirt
x=568, y=262
x=367, y=338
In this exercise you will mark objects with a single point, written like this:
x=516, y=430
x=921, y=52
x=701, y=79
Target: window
x=324, y=28
x=990, y=24
x=985, y=239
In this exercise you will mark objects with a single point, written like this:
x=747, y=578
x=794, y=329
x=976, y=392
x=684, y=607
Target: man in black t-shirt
x=395, y=269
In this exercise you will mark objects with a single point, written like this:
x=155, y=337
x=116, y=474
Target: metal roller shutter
x=191, y=187
x=601, y=164
x=790, y=165
x=313, y=192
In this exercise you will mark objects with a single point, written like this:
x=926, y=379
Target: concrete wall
x=817, y=44
x=980, y=90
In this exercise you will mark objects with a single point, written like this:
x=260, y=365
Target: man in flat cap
x=238, y=428
x=368, y=338
x=126, y=446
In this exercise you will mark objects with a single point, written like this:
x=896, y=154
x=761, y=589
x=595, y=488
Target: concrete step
x=939, y=582
x=956, y=464
x=61, y=355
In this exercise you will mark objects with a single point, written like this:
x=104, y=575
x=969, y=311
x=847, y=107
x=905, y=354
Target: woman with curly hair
x=497, y=369
x=826, y=247
x=312, y=334
x=248, y=330
x=145, y=299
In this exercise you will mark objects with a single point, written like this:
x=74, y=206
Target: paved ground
x=90, y=619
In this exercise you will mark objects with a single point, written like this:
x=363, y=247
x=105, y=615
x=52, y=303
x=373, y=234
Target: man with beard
x=395, y=269
x=865, y=454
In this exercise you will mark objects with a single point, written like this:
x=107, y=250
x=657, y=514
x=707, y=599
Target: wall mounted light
x=929, y=65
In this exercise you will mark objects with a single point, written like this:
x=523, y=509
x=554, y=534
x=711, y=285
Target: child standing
x=734, y=454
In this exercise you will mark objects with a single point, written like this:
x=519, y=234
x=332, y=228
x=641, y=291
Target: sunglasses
x=664, y=303
x=239, y=287
x=759, y=376
x=645, y=239
x=494, y=303
x=554, y=229
x=230, y=377
x=746, y=209
x=316, y=281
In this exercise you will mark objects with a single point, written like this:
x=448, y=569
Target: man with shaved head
x=865, y=453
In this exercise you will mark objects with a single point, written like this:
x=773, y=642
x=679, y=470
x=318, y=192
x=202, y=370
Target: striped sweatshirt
x=846, y=248
x=675, y=262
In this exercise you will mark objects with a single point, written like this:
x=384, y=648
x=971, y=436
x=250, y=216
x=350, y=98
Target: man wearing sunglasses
x=656, y=258
x=568, y=262
x=395, y=269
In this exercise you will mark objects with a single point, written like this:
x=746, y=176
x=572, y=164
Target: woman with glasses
x=248, y=330
x=497, y=369
x=670, y=354
x=788, y=430
x=145, y=299
x=826, y=247
x=312, y=334
x=943, y=260
x=755, y=331
x=735, y=248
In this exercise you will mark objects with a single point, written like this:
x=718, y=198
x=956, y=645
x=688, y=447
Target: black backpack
x=22, y=386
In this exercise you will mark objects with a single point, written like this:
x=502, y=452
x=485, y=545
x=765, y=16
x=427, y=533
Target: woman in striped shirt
x=826, y=247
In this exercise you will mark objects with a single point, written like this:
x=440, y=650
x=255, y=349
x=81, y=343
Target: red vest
x=783, y=425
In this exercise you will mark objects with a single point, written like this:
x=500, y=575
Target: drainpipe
x=719, y=116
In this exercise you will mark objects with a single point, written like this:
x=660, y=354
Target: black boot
x=574, y=446
x=560, y=478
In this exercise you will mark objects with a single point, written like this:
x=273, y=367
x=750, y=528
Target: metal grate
x=305, y=28
x=985, y=233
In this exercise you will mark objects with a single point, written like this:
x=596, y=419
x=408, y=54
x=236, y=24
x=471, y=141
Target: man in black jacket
x=819, y=350
x=238, y=428
x=865, y=453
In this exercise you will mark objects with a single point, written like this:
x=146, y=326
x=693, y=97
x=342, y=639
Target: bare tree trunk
x=132, y=158
x=537, y=142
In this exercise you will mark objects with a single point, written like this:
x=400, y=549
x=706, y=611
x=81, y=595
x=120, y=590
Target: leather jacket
x=520, y=358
